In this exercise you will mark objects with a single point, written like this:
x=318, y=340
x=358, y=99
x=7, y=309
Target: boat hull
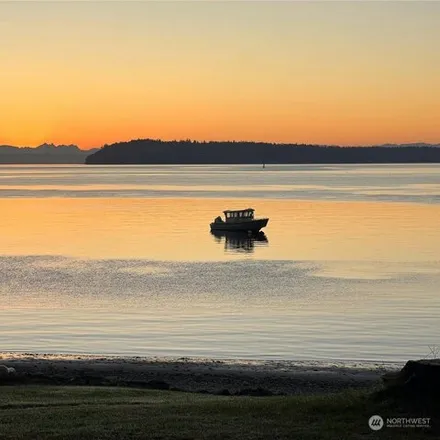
x=246, y=226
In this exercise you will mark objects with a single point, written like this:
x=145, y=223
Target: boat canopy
x=240, y=213
x=239, y=210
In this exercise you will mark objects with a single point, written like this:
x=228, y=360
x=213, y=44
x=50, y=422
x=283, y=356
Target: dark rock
x=416, y=377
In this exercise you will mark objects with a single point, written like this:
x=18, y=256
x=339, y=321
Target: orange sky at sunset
x=347, y=73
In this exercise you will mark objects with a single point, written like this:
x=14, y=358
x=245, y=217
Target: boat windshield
x=240, y=214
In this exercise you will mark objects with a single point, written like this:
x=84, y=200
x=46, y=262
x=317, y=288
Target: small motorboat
x=239, y=220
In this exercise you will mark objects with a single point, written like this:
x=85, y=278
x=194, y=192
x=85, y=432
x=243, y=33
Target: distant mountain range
x=45, y=153
x=154, y=151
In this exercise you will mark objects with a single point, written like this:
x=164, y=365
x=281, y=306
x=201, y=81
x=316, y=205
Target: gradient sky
x=344, y=73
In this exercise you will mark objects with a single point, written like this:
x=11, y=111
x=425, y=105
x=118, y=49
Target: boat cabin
x=239, y=215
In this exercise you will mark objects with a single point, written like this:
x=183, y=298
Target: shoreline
x=197, y=375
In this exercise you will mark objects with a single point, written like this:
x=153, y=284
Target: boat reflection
x=240, y=241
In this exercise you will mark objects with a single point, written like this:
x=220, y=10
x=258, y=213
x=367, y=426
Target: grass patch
x=40, y=412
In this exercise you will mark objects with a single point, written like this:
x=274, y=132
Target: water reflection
x=240, y=241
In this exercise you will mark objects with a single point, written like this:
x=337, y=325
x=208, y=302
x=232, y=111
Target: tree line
x=154, y=151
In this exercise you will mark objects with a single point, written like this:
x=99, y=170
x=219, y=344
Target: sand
x=235, y=377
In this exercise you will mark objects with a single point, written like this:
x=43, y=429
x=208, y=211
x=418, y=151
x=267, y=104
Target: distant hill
x=45, y=153
x=152, y=151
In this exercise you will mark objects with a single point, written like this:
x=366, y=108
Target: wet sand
x=235, y=377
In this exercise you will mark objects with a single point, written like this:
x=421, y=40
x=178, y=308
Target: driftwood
x=6, y=371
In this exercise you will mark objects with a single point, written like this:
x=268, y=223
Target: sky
x=347, y=73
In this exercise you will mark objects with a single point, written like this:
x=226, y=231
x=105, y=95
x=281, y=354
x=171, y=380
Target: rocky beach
x=197, y=375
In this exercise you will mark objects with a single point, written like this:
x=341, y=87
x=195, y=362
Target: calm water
x=120, y=260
